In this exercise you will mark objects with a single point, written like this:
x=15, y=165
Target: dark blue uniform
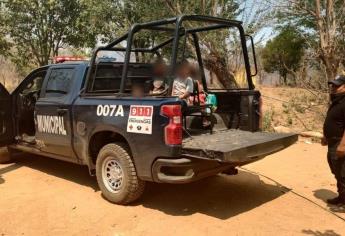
x=334, y=128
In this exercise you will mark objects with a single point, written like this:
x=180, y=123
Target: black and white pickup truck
x=84, y=112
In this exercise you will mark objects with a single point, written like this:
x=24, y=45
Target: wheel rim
x=112, y=175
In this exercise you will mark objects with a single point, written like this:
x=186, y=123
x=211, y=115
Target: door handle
x=62, y=111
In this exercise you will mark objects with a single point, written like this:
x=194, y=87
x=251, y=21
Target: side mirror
x=254, y=55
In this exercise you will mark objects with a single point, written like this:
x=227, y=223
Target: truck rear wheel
x=116, y=175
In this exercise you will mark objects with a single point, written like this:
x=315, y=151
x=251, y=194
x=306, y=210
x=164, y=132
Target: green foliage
x=4, y=44
x=39, y=28
x=300, y=14
x=267, y=120
x=289, y=120
x=129, y=12
x=284, y=53
x=214, y=42
x=215, y=45
x=323, y=25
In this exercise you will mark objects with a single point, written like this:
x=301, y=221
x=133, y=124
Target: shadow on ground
x=319, y=233
x=7, y=169
x=324, y=194
x=61, y=169
x=219, y=196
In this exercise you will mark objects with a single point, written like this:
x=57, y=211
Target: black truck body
x=75, y=122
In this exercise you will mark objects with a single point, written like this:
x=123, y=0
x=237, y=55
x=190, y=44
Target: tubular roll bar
x=160, y=25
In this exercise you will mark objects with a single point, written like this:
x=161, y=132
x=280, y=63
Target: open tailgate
x=236, y=146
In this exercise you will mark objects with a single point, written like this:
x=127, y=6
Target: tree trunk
x=331, y=66
x=218, y=66
x=214, y=63
x=327, y=26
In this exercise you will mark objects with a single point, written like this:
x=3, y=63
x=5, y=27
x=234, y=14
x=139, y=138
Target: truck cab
x=88, y=112
x=43, y=101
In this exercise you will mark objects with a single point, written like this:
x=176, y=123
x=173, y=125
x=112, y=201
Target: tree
x=128, y=12
x=284, y=52
x=325, y=20
x=4, y=44
x=215, y=50
x=38, y=29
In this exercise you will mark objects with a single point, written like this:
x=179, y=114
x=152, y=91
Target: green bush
x=267, y=120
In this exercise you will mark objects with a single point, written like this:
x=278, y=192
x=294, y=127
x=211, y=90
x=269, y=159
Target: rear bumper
x=185, y=169
x=207, y=155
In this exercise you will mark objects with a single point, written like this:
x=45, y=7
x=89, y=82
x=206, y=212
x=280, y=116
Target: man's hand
x=340, y=153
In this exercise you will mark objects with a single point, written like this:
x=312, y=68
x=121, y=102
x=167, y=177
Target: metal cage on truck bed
x=173, y=26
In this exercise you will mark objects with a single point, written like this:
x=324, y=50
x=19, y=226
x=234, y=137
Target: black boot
x=337, y=201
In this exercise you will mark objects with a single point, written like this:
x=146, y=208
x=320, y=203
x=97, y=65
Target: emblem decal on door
x=51, y=125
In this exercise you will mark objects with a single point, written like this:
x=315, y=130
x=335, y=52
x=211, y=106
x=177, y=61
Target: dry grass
x=295, y=108
x=9, y=76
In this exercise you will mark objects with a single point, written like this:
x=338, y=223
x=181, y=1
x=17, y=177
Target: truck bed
x=236, y=146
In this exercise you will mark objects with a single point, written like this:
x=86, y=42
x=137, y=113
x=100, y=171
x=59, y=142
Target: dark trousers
x=337, y=166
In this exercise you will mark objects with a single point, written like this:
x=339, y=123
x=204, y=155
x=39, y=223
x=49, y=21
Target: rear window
x=107, y=76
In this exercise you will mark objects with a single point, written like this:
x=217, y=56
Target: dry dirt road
x=40, y=196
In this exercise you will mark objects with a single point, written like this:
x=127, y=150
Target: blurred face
x=138, y=90
x=337, y=89
x=183, y=72
x=160, y=70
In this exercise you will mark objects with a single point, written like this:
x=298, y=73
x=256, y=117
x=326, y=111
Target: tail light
x=173, y=131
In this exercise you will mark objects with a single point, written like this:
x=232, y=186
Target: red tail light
x=173, y=131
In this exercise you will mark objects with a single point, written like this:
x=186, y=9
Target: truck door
x=53, y=112
x=6, y=121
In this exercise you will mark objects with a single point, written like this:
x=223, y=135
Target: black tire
x=116, y=155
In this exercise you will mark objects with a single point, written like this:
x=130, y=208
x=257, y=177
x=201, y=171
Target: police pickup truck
x=84, y=112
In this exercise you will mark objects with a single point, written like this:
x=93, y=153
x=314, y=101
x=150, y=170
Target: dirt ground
x=40, y=196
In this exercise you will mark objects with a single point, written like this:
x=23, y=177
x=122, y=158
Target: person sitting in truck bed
x=199, y=96
x=138, y=89
x=159, y=74
x=183, y=84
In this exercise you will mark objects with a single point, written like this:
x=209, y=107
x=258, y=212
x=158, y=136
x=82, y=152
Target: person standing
x=334, y=136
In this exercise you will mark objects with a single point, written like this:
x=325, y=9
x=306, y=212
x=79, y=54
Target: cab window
x=59, y=82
